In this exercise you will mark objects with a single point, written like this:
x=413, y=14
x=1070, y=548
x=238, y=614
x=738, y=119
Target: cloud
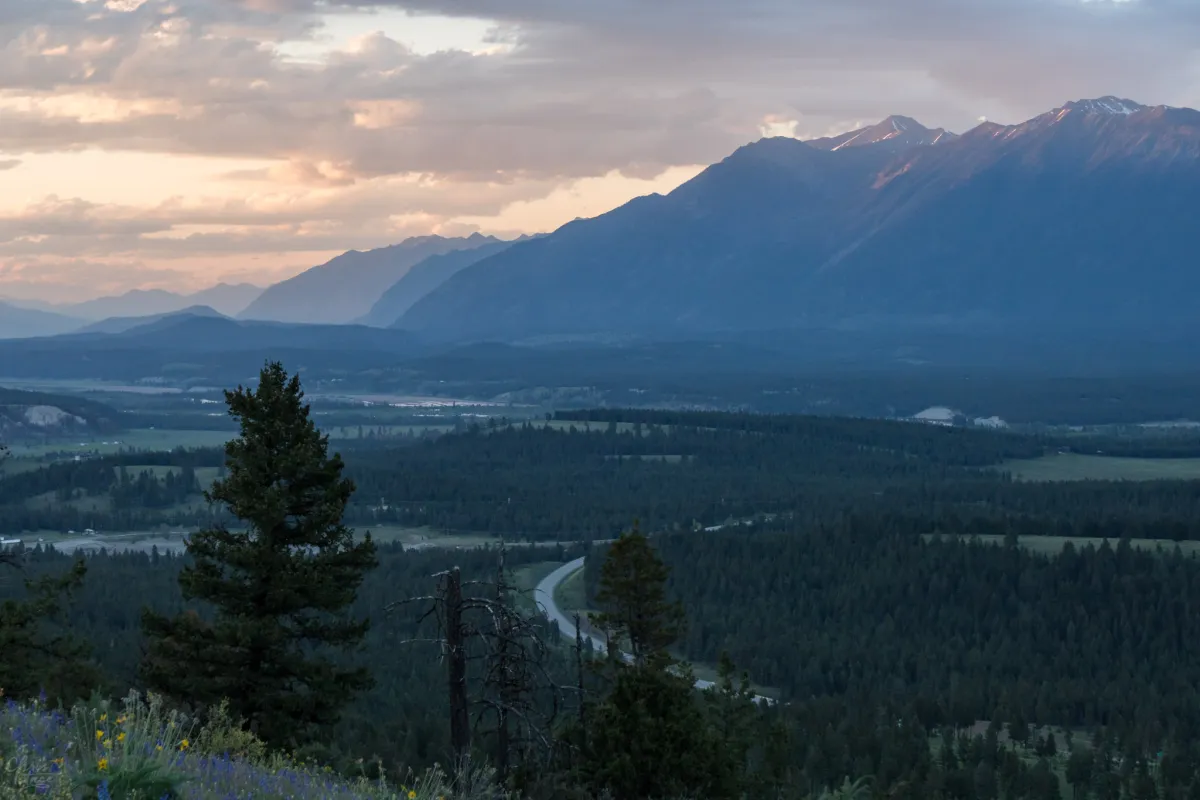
x=368, y=139
x=9, y=163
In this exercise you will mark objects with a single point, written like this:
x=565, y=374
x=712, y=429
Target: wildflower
x=99, y=735
x=158, y=748
x=412, y=795
x=120, y=737
x=107, y=742
x=184, y=745
x=102, y=764
x=104, y=717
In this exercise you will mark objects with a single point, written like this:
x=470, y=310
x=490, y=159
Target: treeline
x=587, y=473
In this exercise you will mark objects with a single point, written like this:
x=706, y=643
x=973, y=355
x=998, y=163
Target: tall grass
x=140, y=750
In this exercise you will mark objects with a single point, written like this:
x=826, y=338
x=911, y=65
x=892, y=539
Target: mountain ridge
x=345, y=288
x=963, y=232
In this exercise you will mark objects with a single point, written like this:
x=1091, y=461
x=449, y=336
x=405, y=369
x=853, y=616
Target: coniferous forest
x=928, y=625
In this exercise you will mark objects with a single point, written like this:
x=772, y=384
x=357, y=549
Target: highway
x=543, y=598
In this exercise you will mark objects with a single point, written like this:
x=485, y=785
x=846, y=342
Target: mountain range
x=1078, y=220
x=224, y=298
x=345, y=288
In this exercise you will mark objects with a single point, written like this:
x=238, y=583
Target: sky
x=178, y=143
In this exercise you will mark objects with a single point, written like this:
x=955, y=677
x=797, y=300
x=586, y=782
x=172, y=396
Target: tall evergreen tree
x=281, y=589
x=633, y=602
x=650, y=736
x=37, y=651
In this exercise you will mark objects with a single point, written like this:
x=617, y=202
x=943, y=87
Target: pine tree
x=650, y=736
x=280, y=590
x=632, y=600
x=37, y=652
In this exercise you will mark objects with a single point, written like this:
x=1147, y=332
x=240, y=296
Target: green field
x=1075, y=467
x=1055, y=544
x=151, y=439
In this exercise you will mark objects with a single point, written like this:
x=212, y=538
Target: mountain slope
x=1079, y=218
x=36, y=414
x=345, y=288
x=224, y=298
x=122, y=324
x=422, y=279
x=17, y=322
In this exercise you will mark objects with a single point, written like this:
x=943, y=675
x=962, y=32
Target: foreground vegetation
x=914, y=658
x=140, y=750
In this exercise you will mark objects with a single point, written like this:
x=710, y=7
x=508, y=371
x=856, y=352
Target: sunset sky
x=177, y=143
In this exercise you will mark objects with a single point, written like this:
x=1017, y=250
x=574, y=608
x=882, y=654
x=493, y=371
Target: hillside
x=122, y=324
x=345, y=288
x=35, y=414
x=17, y=322
x=224, y=298
x=1077, y=220
x=206, y=349
x=422, y=279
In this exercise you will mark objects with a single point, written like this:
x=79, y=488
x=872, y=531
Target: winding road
x=543, y=598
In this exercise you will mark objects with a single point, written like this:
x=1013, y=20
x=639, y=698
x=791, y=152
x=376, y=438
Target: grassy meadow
x=1077, y=467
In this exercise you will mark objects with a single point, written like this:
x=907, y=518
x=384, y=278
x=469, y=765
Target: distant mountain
x=17, y=322
x=224, y=298
x=345, y=288
x=1075, y=223
x=122, y=324
x=422, y=279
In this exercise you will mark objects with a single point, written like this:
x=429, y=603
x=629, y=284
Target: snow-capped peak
x=1105, y=105
x=896, y=132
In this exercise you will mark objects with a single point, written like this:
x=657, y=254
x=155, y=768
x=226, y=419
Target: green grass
x=571, y=595
x=1055, y=544
x=425, y=536
x=1076, y=467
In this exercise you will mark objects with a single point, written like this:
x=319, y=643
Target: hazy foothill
x=862, y=466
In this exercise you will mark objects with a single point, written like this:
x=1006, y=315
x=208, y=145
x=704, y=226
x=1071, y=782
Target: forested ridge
x=589, y=473
x=962, y=630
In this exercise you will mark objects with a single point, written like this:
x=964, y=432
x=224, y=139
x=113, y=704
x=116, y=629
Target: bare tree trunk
x=456, y=652
x=579, y=677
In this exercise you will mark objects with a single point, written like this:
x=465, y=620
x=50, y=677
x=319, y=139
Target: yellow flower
x=183, y=745
x=99, y=735
x=121, y=720
x=108, y=742
x=412, y=795
x=104, y=717
x=120, y=737
x=102, y=764
x=158, y=747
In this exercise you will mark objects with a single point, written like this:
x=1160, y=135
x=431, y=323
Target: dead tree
x=455, y=632
x=515, y=686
